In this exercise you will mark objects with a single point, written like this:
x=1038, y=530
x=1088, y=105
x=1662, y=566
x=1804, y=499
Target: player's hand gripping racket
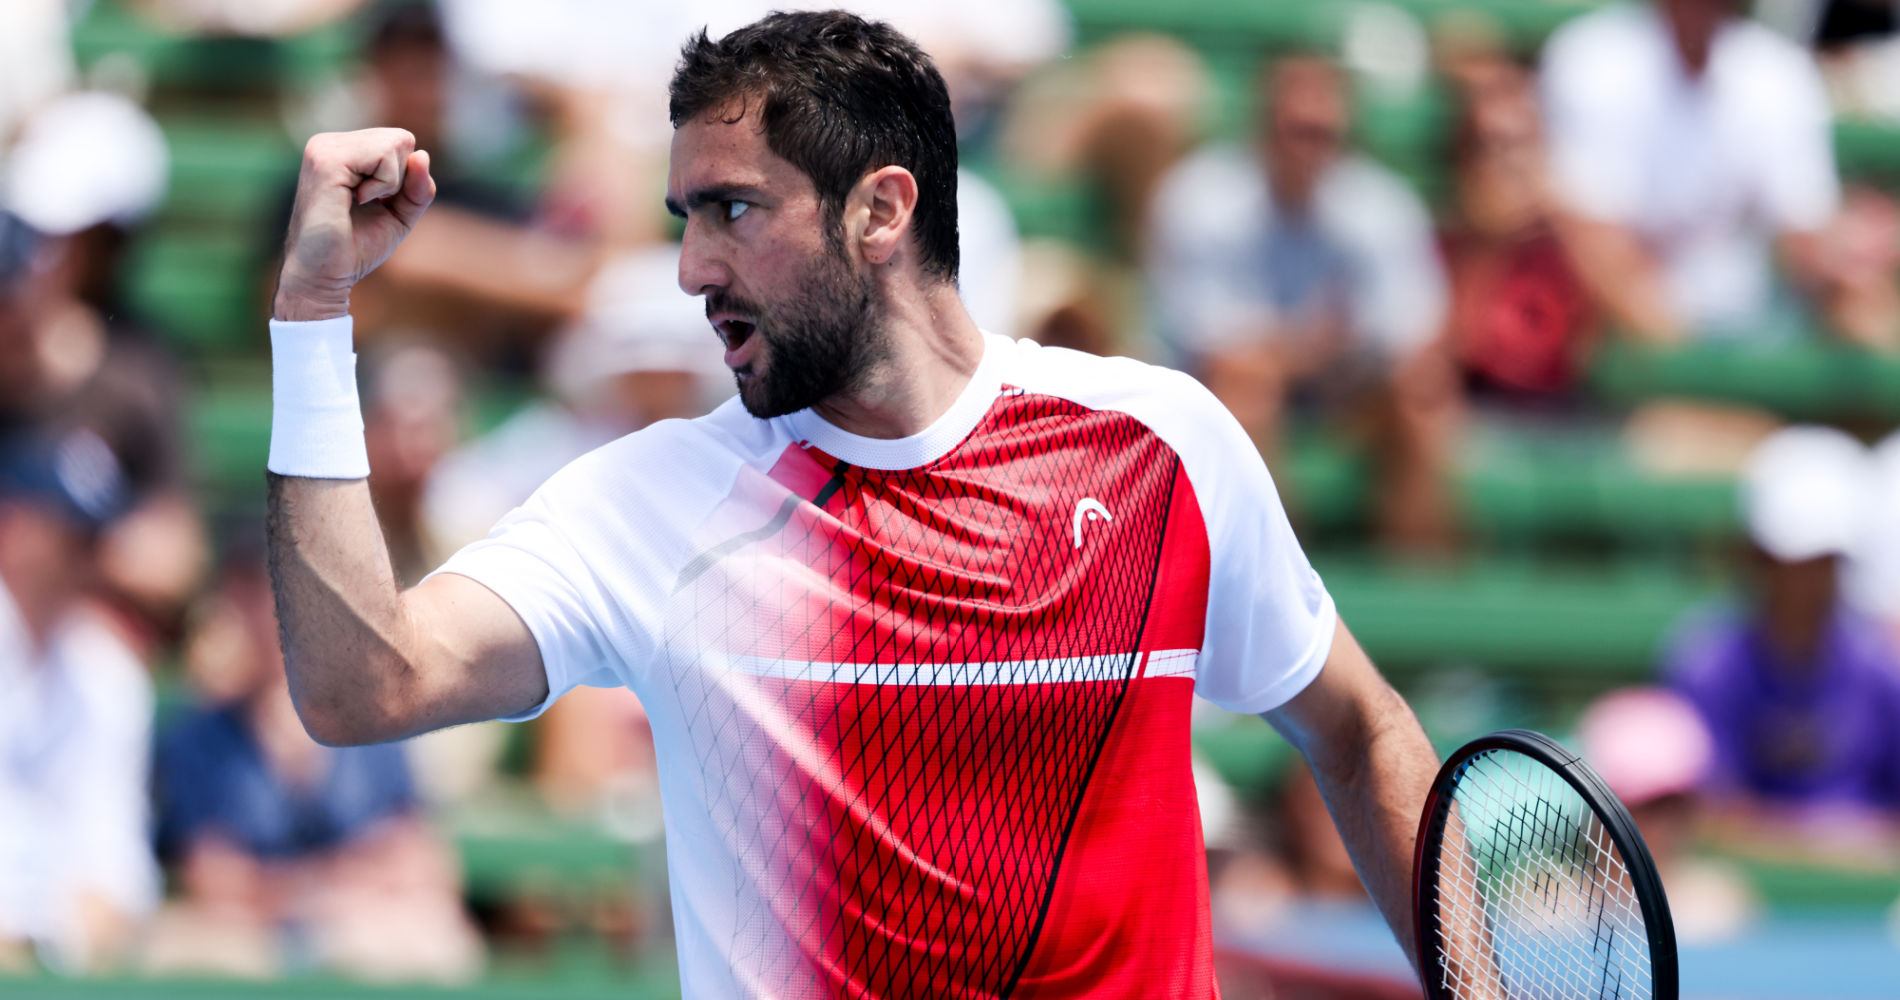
x=1532, y=883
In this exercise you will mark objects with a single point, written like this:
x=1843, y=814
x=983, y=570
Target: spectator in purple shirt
x=1800, y=692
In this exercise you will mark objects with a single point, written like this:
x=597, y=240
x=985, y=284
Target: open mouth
x=735, y=332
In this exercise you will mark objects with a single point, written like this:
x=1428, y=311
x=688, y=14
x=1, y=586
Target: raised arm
x=367, y=662
x=1374, y=767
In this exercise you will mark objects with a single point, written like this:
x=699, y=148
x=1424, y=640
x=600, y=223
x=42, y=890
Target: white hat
x=1807, y=492
x=85, y=159
x=637, y=319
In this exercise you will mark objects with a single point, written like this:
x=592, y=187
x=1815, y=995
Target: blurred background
x=1570, y=331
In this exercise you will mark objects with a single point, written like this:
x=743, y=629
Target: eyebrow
x=712, y=194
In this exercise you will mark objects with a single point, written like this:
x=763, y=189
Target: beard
x=819, y=343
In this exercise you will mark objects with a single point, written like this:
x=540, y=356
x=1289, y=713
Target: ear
x=880, y=210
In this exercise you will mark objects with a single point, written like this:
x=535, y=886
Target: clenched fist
x=358, y=195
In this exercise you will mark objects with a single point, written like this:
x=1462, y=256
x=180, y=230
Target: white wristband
x=316, y=424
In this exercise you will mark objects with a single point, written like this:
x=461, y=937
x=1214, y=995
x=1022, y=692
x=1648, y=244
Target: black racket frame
x=1609, y=809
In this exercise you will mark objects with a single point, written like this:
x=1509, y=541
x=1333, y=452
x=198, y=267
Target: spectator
x=288, y=852
x=84, y=174
x=76, y=871
x=604, y=67
x=1521, y=323
x=1800, y=691
x=1305, y=274
x=1117, y=116
x=642, y=352
x=1689, y=145
x=484, y=272
x=1652, y=749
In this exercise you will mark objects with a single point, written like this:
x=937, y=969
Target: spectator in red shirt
x=1520, y=323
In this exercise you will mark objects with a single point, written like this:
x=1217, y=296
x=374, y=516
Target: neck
x=933, y=348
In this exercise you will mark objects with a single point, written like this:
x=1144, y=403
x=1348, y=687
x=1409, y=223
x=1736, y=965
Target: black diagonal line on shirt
x=708, y=559
x=1101, y=743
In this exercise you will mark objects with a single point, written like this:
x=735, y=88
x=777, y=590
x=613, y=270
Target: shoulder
x=1768, y=75
x=1705, y=645
x=1758, y=48
x=198, y=730
x=1871, y=646
x=111, y=680
x=1606, y=57
x=1221, y=161
x=677, y=460
x=1170, y=403
x=1214, y=184
x=1362, y=196
x=1097, y=382
x=1603, y=34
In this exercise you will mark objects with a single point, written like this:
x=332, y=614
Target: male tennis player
x=918, y=616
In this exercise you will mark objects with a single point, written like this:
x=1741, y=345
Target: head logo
x=1089, y=509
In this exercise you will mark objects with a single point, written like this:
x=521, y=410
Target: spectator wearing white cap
x=642, y=351
x=86, y=169
x=1800, y=691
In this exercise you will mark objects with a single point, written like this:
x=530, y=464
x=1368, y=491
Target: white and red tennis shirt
x=921, y=705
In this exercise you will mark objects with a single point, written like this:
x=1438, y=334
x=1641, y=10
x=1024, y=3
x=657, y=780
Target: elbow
x=335, y=725
x=338, y=717
x=331, y=730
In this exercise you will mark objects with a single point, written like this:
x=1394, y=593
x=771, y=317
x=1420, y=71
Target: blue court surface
x=1822, y=955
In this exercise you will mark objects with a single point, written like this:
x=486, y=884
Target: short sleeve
x=1399, y=293
x=1270, y=620
x=1593, y=88
x=530, y=561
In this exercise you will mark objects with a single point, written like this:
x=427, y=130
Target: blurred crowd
x=1653, y=177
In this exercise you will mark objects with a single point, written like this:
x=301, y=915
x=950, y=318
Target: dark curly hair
x=840, y=96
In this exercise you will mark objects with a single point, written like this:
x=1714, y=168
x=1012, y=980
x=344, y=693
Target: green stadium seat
x=111, y=29
x=1869, y=150
x=1579, y=629
x=232, y=170
x=1806, y=378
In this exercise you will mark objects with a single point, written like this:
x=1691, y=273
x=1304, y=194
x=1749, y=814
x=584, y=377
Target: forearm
x=346, y=637
x=1376, y=797
x=495, y=265
x=367, y=662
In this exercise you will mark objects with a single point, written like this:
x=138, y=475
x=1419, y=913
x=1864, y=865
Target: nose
x=701, y=268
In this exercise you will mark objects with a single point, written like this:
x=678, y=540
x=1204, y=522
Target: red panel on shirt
x=988, y=754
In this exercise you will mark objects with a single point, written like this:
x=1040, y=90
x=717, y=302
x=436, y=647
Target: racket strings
x=1534, y=900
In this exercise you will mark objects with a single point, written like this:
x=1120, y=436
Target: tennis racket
x=1532, y=883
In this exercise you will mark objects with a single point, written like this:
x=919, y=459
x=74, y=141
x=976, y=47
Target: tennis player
x=918, y=616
